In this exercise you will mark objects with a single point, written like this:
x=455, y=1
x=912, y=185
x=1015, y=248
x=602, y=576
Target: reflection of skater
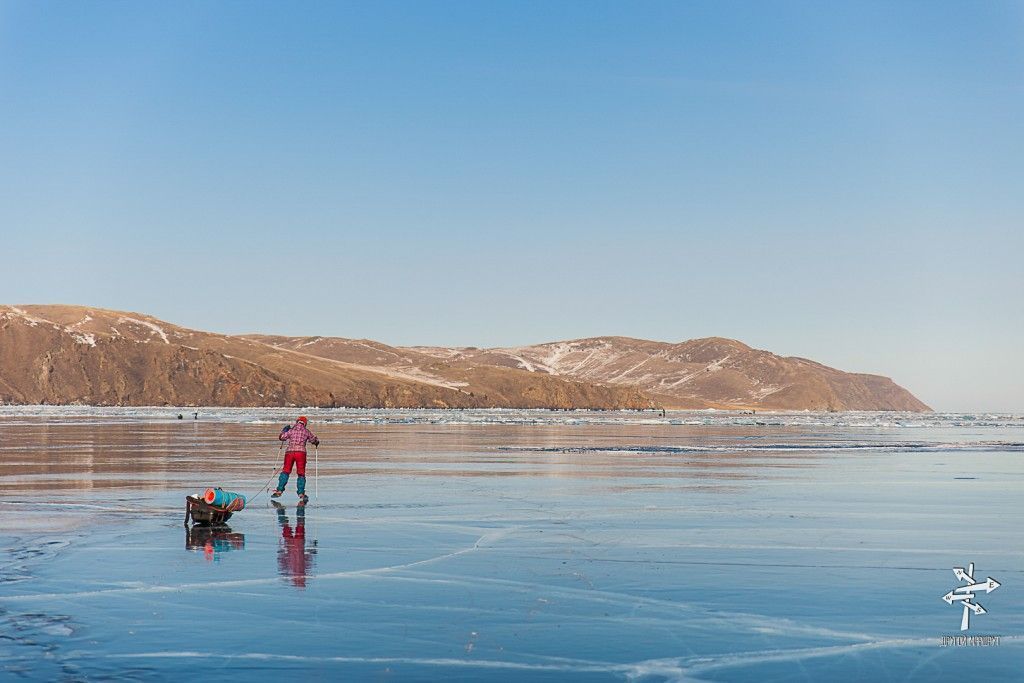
x=294, y=560
x=297, y=436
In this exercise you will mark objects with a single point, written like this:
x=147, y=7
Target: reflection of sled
x=201, y=512
x=215, y=538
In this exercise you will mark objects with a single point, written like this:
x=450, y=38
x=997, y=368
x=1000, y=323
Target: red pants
x=297, y=458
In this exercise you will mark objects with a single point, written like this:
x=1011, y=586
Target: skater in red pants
x=297, y=436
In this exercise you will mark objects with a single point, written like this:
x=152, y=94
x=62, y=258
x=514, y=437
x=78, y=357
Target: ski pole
x=278, y=460
x=316, y=472
x=276, y=465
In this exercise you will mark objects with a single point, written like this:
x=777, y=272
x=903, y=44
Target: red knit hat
x=302, y=419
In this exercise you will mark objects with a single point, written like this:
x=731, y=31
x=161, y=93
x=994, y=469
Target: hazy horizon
x=840, y=183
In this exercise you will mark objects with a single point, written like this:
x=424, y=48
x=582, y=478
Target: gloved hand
x=287, y=428
x=316, y=442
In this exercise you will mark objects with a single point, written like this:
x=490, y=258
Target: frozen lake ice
x=494, y=545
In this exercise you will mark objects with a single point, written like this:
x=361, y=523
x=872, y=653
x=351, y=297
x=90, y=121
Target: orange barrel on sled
x=232, y=502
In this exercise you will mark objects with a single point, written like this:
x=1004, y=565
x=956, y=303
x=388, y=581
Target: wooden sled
x=204, y=514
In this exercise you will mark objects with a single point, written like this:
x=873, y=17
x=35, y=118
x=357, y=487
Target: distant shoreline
x=733, y=411
x=520, y=415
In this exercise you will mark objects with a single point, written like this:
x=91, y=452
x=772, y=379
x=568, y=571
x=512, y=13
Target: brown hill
x=482, y=384
x=701, y=373
x=63, y=355
x=73, y=354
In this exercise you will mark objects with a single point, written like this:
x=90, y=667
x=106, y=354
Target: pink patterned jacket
x=297, y=437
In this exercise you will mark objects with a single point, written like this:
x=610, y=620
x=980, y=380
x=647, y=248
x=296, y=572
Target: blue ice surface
x=512, y=545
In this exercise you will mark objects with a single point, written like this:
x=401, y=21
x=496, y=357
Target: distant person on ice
x=297, y=435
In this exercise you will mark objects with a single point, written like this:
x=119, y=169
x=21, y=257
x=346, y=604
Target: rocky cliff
x=701, y=373
x=72, y=354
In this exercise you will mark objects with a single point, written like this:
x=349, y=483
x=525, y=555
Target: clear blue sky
x=841, y=181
